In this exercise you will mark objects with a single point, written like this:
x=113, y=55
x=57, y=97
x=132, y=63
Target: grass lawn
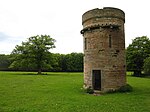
x=61, y=92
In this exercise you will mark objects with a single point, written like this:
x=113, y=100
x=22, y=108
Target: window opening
x=85, y=43
x=110, y=41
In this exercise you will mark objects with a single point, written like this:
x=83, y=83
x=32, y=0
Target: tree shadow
x=56, y=74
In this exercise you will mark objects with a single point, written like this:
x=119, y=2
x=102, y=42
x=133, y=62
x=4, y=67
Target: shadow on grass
x=24, y=73
x=142, y=76
x=27, y=74
x=45, y=73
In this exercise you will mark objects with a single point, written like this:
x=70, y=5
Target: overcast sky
x=62, y=20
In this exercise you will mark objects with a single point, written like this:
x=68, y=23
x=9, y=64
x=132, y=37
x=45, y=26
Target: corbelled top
x=106, y=12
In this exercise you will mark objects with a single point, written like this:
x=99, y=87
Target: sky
x=62, y=20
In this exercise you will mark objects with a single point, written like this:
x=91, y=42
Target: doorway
x=96, y=79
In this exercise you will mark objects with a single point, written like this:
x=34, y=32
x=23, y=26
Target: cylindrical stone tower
x=104, y=49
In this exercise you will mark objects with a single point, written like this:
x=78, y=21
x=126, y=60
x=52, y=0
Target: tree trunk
x=39, y=71
x=137, y=73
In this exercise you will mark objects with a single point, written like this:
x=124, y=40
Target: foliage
x=61, y=92
x=89, y=90
x=4, y=61
x=126, y=88
x=57, y=62
x=34, y=53
x=72, y=62
x=136, y=53
x=147, y=66
x=122, y=89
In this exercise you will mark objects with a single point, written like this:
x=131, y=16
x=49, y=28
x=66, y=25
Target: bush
x=125, y=88
x=89, y=90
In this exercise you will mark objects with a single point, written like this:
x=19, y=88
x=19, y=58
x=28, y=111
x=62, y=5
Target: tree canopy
x=147, y=66
x=4, y=61
x=136, y=53
x=34, y=53
x=72, y=62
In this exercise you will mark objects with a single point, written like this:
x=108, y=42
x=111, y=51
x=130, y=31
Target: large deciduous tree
x=34, y=53
x=136, y=53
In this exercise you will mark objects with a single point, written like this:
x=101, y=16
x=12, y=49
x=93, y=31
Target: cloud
x=62, y=20
x=8, y=43
x=3, y=36
x=8, y=38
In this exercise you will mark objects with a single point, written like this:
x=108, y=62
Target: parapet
x=106, y=12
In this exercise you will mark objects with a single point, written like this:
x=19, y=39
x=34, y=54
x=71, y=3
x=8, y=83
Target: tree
x=67, y=62
x=4, y=62
x=147, y=66
x=74, y=62
x=34, y=53
x=55, y=62
x=136, y=53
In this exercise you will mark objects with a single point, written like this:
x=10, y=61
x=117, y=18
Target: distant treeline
x=57, y=63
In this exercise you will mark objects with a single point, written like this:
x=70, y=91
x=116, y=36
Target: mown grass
x=62, y=92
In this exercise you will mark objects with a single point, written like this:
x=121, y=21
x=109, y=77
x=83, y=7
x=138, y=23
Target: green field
x=62, y=92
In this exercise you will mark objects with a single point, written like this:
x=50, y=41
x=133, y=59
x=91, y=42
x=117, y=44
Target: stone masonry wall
x=104, y=47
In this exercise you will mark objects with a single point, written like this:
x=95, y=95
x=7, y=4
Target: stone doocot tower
x=104, y=49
